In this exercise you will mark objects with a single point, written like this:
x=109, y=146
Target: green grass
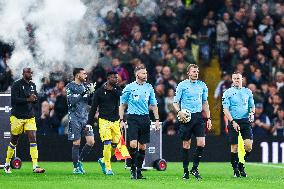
x=215, y=175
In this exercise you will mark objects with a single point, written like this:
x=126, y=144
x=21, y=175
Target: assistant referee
x=238, y=107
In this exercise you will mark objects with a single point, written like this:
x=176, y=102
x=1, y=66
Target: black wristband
x=121, y=120
x=208, y=118
x=157, y=119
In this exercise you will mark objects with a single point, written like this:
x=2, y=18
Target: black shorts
x=195, y=127
x=245, y=129
x=77, y=129
x=138, y=128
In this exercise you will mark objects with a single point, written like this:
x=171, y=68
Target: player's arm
x=176, y=103
x=72, y=97
x=123, y=102
x=205, y=104
x=15, y=95
x=226, y=105
x=94, y=107
x=36, y=95
x=153, y=103
x=205, y=107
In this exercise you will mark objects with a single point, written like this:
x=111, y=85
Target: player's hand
x=182, y=116
x=209, y=124
x=32, y=98
x=157, y=125
x=251, y=117
x=91, y=87
x=236, y=126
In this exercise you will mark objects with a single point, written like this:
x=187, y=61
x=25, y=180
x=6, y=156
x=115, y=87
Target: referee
x=238, y=107
x=191, y=94
x=106, y=98
x=137, y=96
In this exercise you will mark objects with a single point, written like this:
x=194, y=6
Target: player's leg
x=17, y=127
x=200, y=142
x=233, y=139
x=247, y=135
x=185, y=157
x=10, y=152
x=90, y=141
x=132, y=136
x=199, y=132
x=105, y=134
x=143, y=139
x=30, y=129
x=34, y=151
x=74, y=135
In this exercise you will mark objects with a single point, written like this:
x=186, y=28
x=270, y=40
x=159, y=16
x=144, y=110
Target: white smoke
x=62, y=30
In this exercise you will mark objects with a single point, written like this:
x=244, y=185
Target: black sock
x=185, y=159
x=133, y=153
x=85, y=151
x=197, y=156
x=75, y=154
x=247, y=155
x=234, y=160
x=140, y=159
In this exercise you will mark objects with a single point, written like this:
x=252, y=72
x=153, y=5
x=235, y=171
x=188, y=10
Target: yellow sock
x=10, y=152
x=107, y=155
x=34, y=153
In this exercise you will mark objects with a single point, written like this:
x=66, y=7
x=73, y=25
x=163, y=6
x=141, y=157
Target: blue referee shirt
x=238, y=102
x=138, y=97
x=191, y=95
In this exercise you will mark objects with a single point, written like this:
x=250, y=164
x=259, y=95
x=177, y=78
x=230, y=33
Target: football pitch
x=215, y=175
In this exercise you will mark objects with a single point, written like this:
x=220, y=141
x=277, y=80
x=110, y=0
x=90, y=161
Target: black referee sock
x=140, y=158
x=247, y=155
x=133, y=153
x=185, y=159
x=234, y=160
x=197, y=156
x=85, y=151
x=75, y=154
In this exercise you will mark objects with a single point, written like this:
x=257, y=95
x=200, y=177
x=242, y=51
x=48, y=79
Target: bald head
x=27, y=74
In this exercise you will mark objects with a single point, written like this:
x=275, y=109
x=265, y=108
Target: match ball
x=188, y=115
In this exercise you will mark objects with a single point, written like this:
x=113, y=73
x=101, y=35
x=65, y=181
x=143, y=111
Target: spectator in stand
x=261, y=125
x=278, y=123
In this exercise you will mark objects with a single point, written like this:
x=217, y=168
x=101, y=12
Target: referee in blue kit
x=238, y=107
x=136, y=97
x=191, y=94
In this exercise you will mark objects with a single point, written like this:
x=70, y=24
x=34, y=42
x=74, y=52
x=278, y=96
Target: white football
x=188, y=115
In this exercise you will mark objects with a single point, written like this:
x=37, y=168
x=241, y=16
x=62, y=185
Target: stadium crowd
x=244, y=35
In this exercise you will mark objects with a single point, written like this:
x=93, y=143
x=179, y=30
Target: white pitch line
x=266, y=165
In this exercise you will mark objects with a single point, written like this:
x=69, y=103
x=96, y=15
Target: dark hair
x=76, y=71
x=111, y=73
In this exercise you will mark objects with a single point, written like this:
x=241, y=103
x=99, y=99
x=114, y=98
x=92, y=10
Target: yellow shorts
x=20, y=125
x=109, y=130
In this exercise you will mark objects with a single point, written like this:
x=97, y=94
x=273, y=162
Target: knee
x=76, y=142
x=248, y=147
x=201, y=143
x=142, y=146
x=91, y=142
x=133, y=144
x=234, y=148
x=186, y=144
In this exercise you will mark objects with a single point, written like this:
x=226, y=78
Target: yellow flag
x=241, y=149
